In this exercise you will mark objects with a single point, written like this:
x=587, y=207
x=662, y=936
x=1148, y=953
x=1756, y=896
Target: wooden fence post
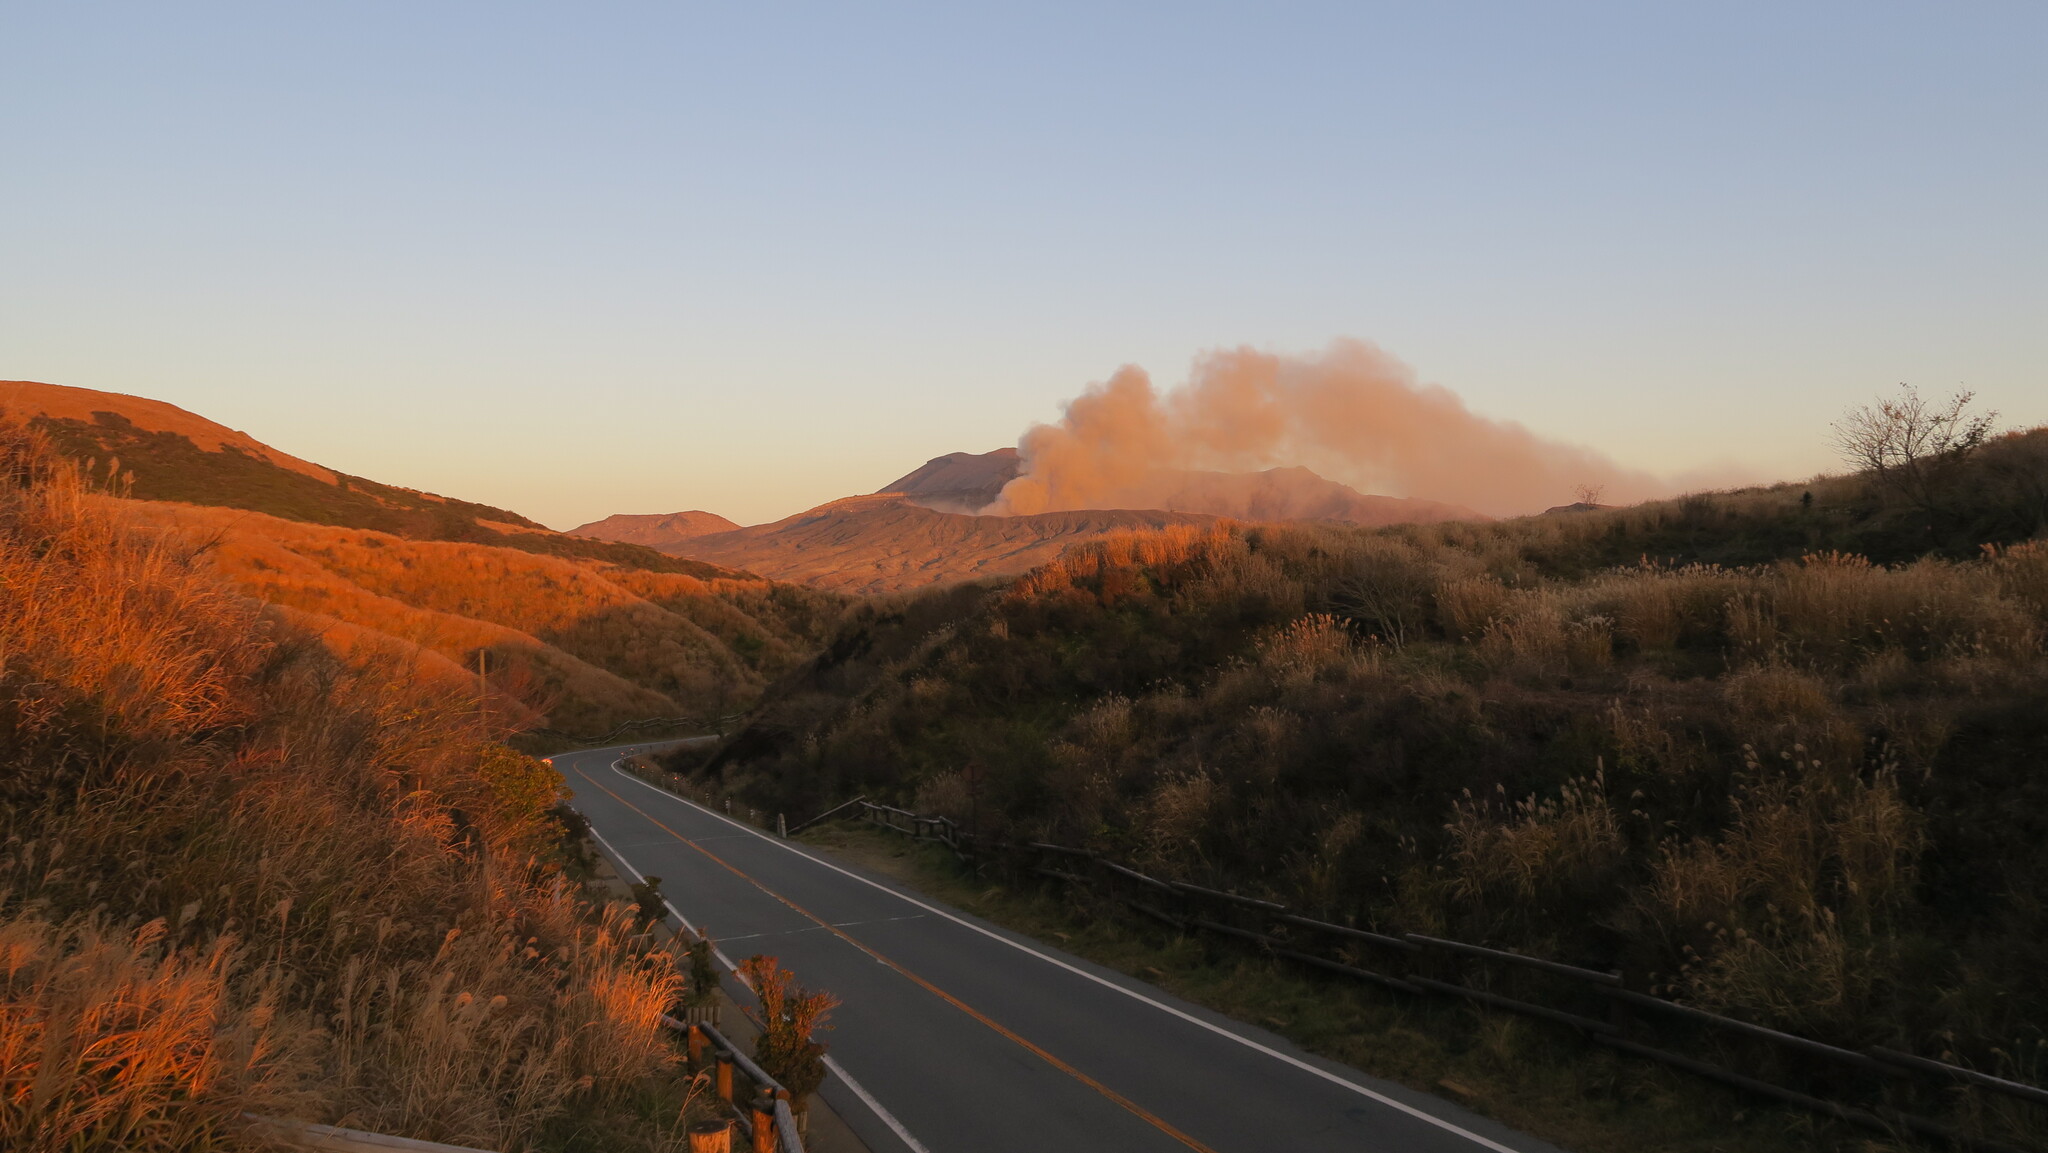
x=764, y=1122
x=711, y=1137
x=725, y=1077
x=696, y=1047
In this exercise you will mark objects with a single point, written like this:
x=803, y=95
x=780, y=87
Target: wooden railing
x=767, y=1119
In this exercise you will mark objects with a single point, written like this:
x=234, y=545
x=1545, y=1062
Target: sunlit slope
x=884, y=543
x=159, y=451
x=925, y=528
x=591, y=644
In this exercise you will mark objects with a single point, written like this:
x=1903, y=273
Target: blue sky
x=584, y=259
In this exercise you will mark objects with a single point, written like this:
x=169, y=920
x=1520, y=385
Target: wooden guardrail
x=767, y=1119
x=1601, y=1010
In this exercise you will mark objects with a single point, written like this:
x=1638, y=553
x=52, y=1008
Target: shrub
x=791, y=1015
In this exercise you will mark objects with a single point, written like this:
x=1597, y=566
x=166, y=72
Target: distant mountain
x=885, y=542
x=655, y=530
x=924, y=528
x=967, y=482
x=959, y=481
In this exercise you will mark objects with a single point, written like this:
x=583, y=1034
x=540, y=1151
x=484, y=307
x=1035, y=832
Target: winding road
x=957, y=1036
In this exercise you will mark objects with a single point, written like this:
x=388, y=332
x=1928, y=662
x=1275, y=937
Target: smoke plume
x=1354, y=414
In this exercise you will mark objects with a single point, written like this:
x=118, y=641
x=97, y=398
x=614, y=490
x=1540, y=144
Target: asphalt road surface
x=957, y=1036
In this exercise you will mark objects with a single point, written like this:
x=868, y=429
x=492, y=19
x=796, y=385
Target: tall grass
x=240, y=875
x=586, y=643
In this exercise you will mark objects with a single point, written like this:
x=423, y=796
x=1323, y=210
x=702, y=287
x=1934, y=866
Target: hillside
x=289, y=885
x=963, y=482
x=920, y=530
x=886, y=543
x=162, y=452
x=1702, y=742
x=573, y=635
x=654, y=530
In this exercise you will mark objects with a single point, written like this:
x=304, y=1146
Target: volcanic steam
x=1353, y=413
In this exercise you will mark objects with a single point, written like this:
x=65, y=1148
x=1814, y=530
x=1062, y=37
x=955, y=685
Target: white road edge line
x=1133, y=994
x=868, y=1099
x=881, y=1113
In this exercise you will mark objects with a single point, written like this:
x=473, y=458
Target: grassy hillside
x=575, y=635
x=168, y=466
x=240, y=875
x=1701, y=741
x=576, y=646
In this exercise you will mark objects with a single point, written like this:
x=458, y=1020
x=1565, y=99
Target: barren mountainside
x=925, y=528
x=655, y=530
x=884, y=543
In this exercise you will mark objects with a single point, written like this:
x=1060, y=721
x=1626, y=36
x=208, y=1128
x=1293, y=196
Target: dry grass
x=238, y=874
x=580, y=644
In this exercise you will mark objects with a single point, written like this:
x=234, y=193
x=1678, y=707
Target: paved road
x=957, y=1036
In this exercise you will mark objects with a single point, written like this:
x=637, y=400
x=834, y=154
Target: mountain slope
x=655, y=530
x=575, y=635
x=965, y=482
x=958, y=481
x=884, y=543
x=163, y=452
x=925, y=527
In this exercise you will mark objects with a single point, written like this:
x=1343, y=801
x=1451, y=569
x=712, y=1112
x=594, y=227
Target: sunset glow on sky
x=578, y=260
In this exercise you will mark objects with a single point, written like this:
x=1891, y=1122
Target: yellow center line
x=1133, y=1107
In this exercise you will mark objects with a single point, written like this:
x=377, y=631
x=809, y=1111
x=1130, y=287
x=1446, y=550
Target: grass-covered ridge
x=1774, y=753
x=237, y=874
x=165, y=465
x=576, y=636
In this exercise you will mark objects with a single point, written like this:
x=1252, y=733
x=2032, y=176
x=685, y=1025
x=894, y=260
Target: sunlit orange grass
x=111, y=1039
x=236, y=875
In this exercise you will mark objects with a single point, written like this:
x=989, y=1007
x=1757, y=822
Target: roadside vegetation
x=240, y=875
x=1773, y=753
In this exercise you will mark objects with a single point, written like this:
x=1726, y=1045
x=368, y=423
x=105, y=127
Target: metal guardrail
x=1882, y=1065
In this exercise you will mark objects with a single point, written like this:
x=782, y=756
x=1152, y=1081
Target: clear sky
x=579, y=259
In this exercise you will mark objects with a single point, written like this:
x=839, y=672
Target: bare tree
x=1589, y=493
x=1911, y=447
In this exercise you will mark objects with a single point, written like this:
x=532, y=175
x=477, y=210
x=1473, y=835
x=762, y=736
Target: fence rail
x=1880, y=1067
x=768, y=1114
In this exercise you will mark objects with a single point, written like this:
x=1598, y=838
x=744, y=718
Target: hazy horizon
x=651, y=260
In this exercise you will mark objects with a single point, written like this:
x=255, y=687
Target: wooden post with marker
x=725, y=1077
x=764, y=1123
x=711, y=1137
x=696, y=1047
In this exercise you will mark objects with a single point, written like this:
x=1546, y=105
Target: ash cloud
x=1353, y=413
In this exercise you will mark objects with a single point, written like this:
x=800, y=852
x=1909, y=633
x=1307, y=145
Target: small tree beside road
x=790, y=1014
